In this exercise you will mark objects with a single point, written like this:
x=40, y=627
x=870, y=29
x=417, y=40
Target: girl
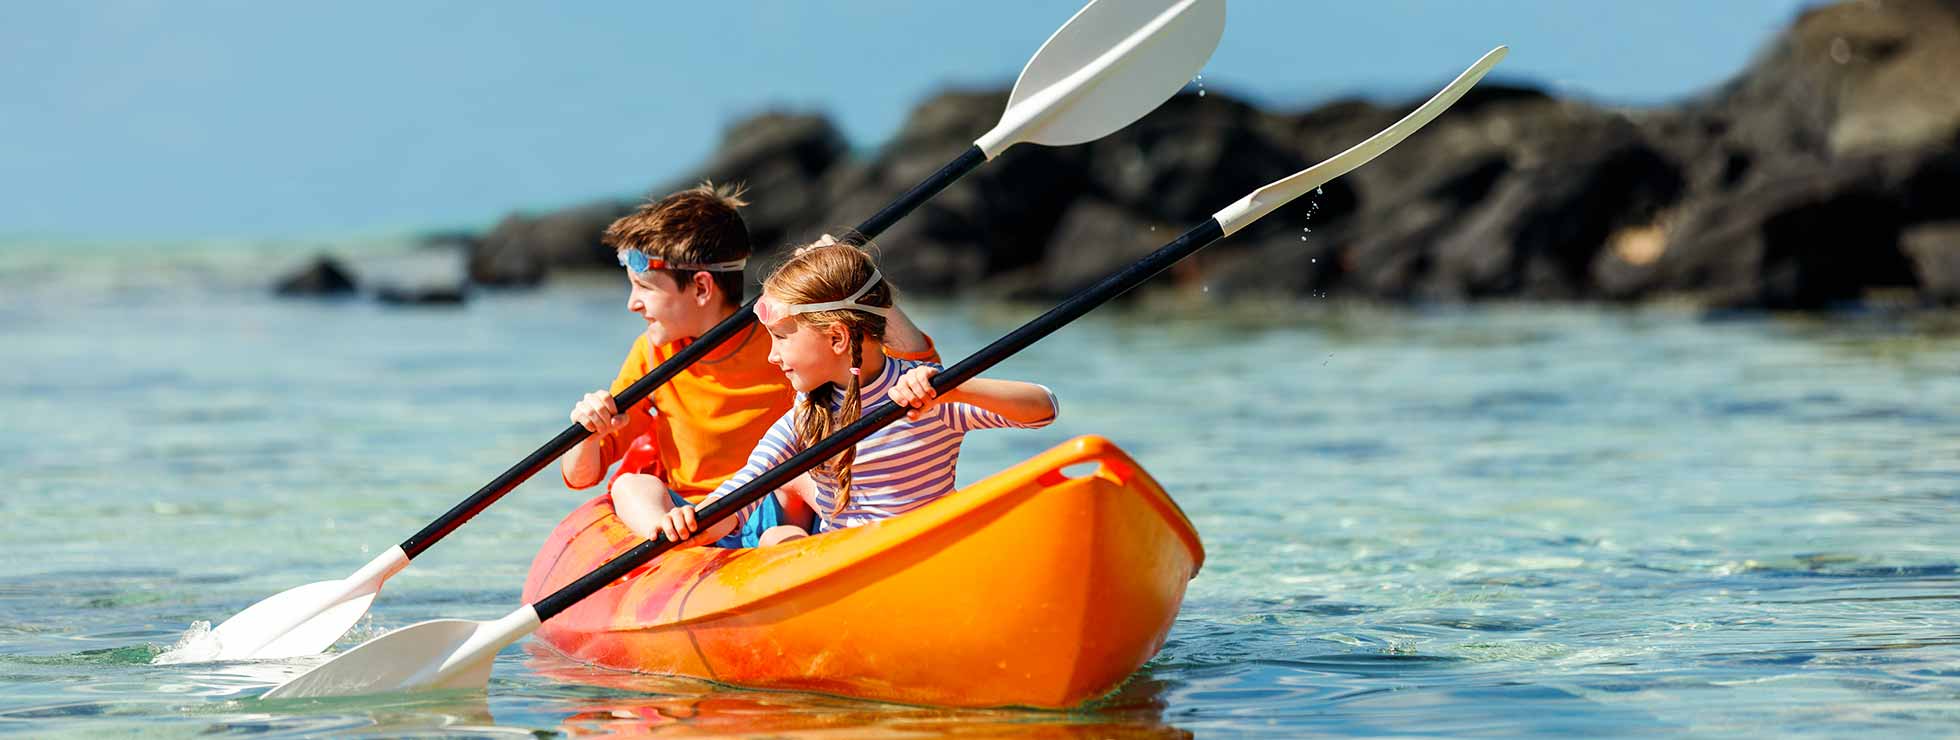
x=825, y=310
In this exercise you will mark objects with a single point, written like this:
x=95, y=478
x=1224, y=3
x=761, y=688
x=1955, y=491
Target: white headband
x=770, y=310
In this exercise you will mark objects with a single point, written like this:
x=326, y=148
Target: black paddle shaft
x=640, y=389
x=887, y=412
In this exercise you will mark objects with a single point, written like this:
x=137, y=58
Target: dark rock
x=781, y=159
x=1189, y=158
x=1795, y=185
x=1543, y=223
x=1094, y=239
x=1932, y=190
x=995, y=220
x=1851, y=78
x=1935, y=253
x=521, y=248
x=324, y=276
x=1806, y=235
x=424, y=295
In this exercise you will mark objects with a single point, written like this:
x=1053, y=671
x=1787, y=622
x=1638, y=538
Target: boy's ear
x=704, y=287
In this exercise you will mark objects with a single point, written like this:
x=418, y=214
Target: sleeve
x=929, y=354
x=639, y=417
x=777, y=445
x=966, y=417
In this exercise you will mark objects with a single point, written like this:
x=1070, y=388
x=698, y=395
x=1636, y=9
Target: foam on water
x=199, y=644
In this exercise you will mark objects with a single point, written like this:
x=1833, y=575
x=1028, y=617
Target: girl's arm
x=980, y=403
x=1024, y=404
x=777, y=445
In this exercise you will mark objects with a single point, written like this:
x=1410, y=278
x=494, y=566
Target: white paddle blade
x=308, y=619
x=1110, y=64
x=1265, y=200
x=298, y=621
x=438, y=654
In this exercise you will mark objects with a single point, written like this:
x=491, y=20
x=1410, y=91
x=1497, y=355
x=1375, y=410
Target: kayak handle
x=1116, y=469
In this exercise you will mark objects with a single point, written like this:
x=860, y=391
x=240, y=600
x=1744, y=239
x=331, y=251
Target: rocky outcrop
x=323, y=276
x=521, y=248
x=1824, y=172
x=1935, y=253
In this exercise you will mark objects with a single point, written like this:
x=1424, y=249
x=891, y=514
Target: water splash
x=198, y=645
x=363, y=631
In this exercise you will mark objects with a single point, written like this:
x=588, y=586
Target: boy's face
x=809, y=357
x=673, y=310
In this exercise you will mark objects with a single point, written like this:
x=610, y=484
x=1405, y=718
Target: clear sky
x=194, y=119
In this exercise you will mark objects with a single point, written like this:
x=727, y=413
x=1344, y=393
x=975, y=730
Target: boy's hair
x=698, y=226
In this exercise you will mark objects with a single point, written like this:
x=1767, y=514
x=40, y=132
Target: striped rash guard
x=898, y=468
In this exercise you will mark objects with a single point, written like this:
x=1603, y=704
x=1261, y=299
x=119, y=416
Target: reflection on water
x=1517, y=520
x=636, y=704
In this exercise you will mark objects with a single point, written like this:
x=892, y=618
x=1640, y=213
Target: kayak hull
x=1034, y=587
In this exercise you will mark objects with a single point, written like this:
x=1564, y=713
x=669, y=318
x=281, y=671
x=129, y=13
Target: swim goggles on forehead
x=771, y=310
x=638, y=261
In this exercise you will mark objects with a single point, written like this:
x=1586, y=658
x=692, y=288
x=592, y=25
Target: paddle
x=457, y=653
x=1114, y=61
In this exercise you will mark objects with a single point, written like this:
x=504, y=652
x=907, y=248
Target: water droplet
x=1201, y=93
x=1313, y=259
x=1303, y=238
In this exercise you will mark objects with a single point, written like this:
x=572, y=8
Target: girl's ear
x=840, y=338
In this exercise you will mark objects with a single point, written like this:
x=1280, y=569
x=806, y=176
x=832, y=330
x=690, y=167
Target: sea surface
x=1508, y=520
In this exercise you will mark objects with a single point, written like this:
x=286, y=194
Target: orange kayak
x=1037, y=587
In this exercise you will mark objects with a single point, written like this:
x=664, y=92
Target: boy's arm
x=904, y=340
x=585, y=464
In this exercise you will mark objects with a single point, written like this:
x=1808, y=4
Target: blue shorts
x=769, y=514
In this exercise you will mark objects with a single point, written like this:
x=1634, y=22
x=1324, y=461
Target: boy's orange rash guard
x=711, y=413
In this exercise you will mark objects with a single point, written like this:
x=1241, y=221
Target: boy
x=683, y=257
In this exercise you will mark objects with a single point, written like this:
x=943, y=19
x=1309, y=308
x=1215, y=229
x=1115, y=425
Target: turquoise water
x=1510, y=520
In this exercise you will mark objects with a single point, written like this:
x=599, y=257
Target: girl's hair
x=828, y=271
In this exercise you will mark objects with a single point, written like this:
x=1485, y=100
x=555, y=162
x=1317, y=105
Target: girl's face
x=810, y=356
